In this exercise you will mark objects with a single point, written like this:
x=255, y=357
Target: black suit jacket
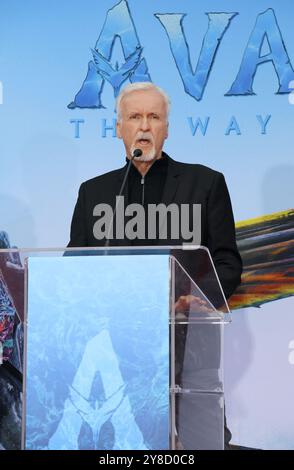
x=185, y=184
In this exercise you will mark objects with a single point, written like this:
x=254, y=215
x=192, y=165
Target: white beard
x=147, y=157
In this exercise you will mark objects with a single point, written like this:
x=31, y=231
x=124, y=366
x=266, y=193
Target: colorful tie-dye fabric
x=7, y=317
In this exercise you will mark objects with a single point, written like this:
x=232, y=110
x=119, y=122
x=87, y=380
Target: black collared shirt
x=147, y=189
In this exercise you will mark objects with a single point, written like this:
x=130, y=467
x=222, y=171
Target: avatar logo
x=119, y=24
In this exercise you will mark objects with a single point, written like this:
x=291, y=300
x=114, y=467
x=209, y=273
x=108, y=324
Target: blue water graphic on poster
x=97, y=362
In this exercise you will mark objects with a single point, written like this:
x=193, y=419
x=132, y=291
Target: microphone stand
x=136, y=153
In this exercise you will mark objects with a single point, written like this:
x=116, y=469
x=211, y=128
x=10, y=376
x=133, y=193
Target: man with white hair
x=142, y=123
x=153, y=178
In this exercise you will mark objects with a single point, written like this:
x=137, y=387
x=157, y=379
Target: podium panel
x=97, y=353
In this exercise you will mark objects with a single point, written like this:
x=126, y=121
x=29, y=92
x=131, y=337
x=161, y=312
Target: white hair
x=140, y=86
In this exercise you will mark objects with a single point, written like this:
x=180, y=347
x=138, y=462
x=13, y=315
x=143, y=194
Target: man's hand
x=187, y=304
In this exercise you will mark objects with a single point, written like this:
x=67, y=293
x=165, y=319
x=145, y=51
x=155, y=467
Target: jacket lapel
x=172, y=182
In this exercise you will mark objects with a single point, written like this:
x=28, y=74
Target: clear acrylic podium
x=119, y=348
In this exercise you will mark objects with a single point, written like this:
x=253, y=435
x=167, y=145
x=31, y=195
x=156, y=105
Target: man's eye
x=155, y=116
x=134, y=116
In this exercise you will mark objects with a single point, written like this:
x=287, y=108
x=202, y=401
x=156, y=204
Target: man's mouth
x=143, y=141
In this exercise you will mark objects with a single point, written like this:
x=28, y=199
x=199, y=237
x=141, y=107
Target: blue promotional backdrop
x=228, y=69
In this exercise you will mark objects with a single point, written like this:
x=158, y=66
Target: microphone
x=136, y=154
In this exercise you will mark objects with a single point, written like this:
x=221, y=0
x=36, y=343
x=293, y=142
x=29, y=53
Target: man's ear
x=166, y=135
x=118, y=129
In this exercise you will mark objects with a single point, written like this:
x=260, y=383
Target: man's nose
x=145, y=123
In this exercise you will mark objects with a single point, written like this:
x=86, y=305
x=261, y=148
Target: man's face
x=143, y=123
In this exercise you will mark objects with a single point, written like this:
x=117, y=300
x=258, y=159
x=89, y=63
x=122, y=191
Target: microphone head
x=137, y=153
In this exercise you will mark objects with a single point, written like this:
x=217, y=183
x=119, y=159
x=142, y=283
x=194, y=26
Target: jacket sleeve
x=78, y=230
x=222, y=237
